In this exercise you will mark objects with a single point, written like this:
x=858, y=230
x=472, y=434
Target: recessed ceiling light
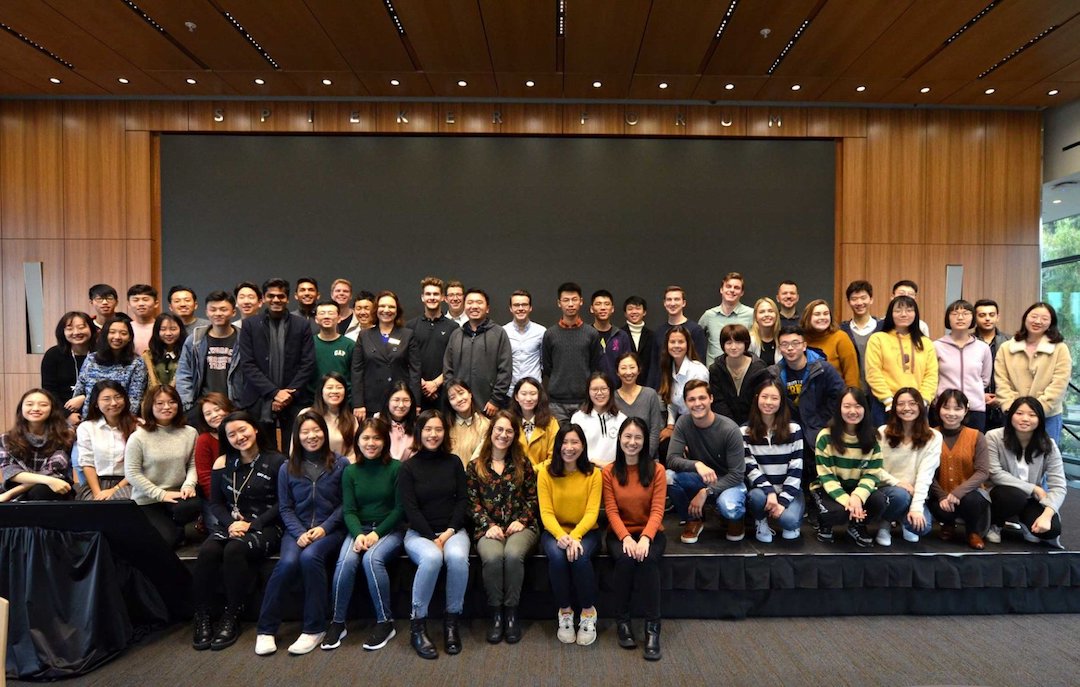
x=795, y=87
x=463, y=83
x=395, y=82
x=123, y=80
x=729, y=86
x=259, y=82
x=596, y=84
x=327, y=82
x=191, y=81
x=990, y=91
x=924, y=89
x=860, y=89
x=55, y=80
x=530, y=83
x=1057, y=201
x=1052, y=92
x=663, y=85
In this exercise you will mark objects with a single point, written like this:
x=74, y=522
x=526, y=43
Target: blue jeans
x=790, y=519
x=429, y=561
x=1053, y=427
x=684, y=486
x=378, y=581
x=310, y=563
x=562, y=573
x=899, y=505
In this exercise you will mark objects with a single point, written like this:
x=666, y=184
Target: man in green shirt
x=333, y=352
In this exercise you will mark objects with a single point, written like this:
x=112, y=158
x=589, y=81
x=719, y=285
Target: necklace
x=236, y=514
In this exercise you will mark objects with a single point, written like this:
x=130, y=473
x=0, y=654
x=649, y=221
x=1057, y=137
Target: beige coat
x=1044, y=375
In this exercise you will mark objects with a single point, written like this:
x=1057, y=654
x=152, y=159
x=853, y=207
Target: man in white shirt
x=526, y=338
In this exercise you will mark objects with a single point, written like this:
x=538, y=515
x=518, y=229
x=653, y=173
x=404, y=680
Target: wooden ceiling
x=998, y=53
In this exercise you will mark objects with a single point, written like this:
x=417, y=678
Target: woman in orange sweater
x=634, y=491
x=821, y=332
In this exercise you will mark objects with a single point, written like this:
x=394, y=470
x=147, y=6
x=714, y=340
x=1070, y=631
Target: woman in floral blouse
x=502, y=499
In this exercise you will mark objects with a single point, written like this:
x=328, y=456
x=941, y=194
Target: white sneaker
x=994, y=535
x=305, y=643
x=909, y=536
x=566, y=632
x=1028, y=536
x=265, y=645
x=764, y=533
x=884, y=535
x=586, y=633
x=791, y=534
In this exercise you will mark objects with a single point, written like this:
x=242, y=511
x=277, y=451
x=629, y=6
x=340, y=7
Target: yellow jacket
x=542, y=443
x=893, y=362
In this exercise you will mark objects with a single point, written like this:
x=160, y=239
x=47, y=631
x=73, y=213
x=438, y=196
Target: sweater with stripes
x=775, y=467
x=849, y=473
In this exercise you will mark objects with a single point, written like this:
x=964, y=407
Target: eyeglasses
x=500, y=432
x=790, y=345
x=104, y=299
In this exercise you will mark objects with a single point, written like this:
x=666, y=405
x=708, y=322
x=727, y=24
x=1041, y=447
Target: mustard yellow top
x=569, y=504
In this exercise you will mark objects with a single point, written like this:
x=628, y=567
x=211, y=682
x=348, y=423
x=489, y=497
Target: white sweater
x=908, y=464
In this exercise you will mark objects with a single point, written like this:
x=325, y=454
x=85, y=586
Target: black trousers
x=632, y=576
x=169, y=518
x=973, y=508
x=42, y=492
x=830, y=513
x=1010, y=502
x=233, y=560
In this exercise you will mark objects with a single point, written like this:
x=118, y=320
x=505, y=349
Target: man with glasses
x=277, y=360
x=526, y=338
x=103, y=300
x=812, y=386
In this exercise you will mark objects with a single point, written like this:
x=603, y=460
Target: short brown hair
x=432, y=281
x=695, y=384
x=733, y=275
x=454, y=283
x=675, y=287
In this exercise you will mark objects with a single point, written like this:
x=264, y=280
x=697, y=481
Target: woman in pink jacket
x=965, y=363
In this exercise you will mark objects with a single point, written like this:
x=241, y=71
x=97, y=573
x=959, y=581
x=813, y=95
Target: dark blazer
x=254, y=346
x=644, y=351
x=377, y=365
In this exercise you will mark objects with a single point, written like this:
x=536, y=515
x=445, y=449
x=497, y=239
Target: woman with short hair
x=600, y=418
x=735, y=375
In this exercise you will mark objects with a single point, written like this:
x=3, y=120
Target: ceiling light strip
x=787, y=48
x=971, y=22
x=726, y=20
x=560, y=18
x=250, y=39
x=168, y=36
x=1016, y=52
x=37, y=46
x=394, y=17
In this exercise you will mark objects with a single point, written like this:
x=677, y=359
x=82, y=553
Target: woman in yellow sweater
x=821, y=332
x=569, y=488
x=899, y=355
x=536, y=426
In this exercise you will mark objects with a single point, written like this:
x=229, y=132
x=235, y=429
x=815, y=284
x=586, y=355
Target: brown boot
x=736, y=530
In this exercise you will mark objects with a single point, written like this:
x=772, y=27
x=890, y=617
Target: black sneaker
x=380, y=635
x=334, y=634
x=825, y=534
x=860, y=536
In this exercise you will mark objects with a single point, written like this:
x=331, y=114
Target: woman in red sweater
x=211, y=409
x=634, y=492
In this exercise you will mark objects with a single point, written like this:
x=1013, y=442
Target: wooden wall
x=916, y=189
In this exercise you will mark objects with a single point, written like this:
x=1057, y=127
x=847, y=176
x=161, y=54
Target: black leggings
x=169, y=518
x=234, y=560
x=831, y=513
x=632, y=576
x=1010, y=502
x=42, y=492
x=973, y=508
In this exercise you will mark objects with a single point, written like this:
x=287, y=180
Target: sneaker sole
x=688, y=540
x=568, y=640
x=326, y=646
x=587, y=643
x=376, y=647
x=731, y=537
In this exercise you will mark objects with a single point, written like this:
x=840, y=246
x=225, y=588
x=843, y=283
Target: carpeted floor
x=956, y=650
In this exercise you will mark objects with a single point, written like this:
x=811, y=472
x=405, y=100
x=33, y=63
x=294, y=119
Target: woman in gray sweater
x=159, y=462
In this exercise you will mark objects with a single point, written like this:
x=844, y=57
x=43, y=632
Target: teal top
x=371, y=495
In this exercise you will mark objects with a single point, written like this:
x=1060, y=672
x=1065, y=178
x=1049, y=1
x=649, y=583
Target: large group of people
x=339, y=435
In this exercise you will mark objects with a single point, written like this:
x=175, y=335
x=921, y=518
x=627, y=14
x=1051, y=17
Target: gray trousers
x=504, y=566
x=564, y=411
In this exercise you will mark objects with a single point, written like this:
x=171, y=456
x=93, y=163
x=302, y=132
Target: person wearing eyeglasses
x=277, y=360
x=103, y=300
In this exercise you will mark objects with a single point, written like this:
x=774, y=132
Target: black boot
x=420, y=641
x=228, y=629
x=451, y=634
x=652, y=640
x=203, y=632
x=625, y=633
x=511, y=625
x=496, y=629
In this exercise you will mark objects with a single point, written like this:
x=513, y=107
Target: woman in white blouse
x=101, y=440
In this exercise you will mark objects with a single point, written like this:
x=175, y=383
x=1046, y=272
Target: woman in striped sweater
x=774, y=464
x=848, y=471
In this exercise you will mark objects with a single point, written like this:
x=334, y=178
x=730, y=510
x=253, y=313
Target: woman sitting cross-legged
x=246, y=528
x=374, y=517
x=502, y=500
x=309, y=499
x=635, y=488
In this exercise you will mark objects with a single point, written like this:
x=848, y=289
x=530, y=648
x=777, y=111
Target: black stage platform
x=719, y=579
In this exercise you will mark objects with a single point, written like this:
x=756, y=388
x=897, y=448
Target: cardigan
x=1003, y=470
x=916, y=466
x=893, y=362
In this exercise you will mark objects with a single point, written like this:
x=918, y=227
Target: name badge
x=393, y=341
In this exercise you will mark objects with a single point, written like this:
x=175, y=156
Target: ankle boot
x=652, y=640
x=202, y=633
x=420, y=641
x=625, y=632
x=227, y=630
x=511, y=625
x=451, y=634
x=496, y=629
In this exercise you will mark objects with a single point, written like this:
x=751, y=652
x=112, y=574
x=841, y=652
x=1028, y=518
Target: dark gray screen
x=628, y=215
